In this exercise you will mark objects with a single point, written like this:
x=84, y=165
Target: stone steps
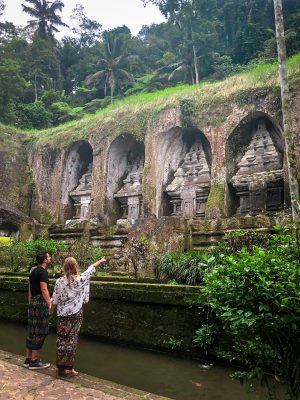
x=109, y=243
x=206, y=240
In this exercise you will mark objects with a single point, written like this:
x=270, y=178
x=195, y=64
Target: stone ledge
x=180, y=295
x=79, y=383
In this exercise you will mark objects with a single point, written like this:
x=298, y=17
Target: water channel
x=176, y=378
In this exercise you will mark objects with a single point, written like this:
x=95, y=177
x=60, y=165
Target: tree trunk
x=35, y=88
x=112, y=94
x=196, y=65
x=289, y=138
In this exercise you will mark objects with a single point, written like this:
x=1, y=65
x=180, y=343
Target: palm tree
x=45, y=16
x=112, y=62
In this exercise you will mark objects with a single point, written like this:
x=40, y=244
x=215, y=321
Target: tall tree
x=290, y=142
x=89, y=31
x=194, y=18
x=44, y=68
x=114, y=59
x=12, y=85
x=45, y=16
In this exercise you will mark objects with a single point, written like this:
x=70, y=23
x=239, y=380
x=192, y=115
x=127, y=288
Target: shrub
x=247, y=238
x=21, y=255
x=184, y=268
x=62, y=112
x=34, y=115
x=255, y=300
x=5, y=240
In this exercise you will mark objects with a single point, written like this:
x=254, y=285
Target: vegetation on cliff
x=45, y=82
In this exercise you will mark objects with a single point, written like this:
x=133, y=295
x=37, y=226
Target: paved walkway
x=19, y=383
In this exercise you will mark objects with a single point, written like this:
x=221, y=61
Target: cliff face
x=224, y=119
x=15, y=175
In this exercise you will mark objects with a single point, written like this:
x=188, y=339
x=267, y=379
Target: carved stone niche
x=190, y=188
x=259, y=179
x=130, y=195
x=82, y=196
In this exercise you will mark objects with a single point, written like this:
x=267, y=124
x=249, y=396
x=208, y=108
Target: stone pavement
x=19, y=383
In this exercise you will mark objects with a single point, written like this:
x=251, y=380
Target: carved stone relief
x=190, y=188
x=259, y=178
x=130, y=195
x=82, y=196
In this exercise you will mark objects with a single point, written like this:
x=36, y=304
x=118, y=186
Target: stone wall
x=147, y=315
x=163, y=135
x=164, y=151
x=16, y=184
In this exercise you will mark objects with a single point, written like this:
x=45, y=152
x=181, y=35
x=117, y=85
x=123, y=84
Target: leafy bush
x=247, y=238
x=5, y=240
x=62, y=112
x=33, y=115
x=224, y=67
x=51, y=96
x=21, y=255
x=184, y=268
x=255, y=300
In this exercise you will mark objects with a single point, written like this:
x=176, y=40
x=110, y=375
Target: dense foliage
x=45, y=82
x=253, y=300
x=184, y=268
x=19, y=256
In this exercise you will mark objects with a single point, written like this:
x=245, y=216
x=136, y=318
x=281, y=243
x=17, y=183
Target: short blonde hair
x=71, y=269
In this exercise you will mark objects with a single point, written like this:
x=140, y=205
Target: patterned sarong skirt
x=67, y=337
x=38, y=322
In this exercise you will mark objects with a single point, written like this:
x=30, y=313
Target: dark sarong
x=38, y=322
x=67, y=337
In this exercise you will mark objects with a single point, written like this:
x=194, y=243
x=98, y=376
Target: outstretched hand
x=99, y=262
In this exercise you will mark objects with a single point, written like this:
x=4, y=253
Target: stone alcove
x=77, y=183
x=8, y=229
x=254, y=161
x=125, y=166
x=183, y=173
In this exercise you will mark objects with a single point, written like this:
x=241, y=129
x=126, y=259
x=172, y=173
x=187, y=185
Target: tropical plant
x=45, y=16
x=21, y=255
x=113, y=61
x=253, y=301
x=44, y=72
x=184, y=268
x=12, y=85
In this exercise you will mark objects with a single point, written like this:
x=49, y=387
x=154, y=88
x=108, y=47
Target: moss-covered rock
x=148, y=315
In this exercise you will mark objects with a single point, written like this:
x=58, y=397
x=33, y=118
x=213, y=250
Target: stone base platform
x=19, y=383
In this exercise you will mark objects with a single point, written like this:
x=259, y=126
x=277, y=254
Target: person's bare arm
x=45, y=294
x=29, y=293
x=52, y=308
x=99, y=262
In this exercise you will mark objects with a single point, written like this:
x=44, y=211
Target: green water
x=153, y=372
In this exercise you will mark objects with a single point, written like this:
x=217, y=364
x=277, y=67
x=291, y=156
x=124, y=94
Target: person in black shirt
x=38, y=310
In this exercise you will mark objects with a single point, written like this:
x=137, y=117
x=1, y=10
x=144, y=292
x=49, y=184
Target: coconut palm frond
x=45, y=14
x=181, y=68
x=94, y=78
x=126, y=74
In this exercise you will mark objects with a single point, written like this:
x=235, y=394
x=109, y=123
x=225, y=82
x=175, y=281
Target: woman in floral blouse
x=71, y=291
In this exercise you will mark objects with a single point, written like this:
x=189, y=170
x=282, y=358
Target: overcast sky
x=110, y=13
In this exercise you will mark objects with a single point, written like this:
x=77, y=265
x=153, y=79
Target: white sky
x=110, y=13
